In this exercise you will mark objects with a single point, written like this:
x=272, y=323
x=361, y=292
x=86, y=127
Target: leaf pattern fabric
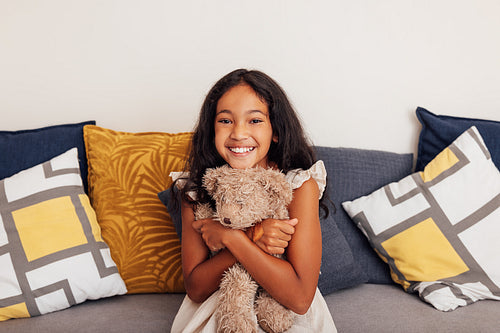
x=126, y=171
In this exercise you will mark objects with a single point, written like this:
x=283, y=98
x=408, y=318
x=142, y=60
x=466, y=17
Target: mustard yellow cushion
x=126, y=171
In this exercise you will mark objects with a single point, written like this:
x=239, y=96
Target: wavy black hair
x=291, y=151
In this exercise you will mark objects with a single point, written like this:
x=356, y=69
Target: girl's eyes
x=227, y=121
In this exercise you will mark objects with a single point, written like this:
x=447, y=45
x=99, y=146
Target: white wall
x=355, y=70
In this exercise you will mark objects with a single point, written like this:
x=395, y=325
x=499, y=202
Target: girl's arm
x=202, y=275
x=291, y=282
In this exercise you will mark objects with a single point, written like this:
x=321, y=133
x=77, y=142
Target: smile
x=240, y=150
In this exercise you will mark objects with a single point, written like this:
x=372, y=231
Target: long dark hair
x=292, y=150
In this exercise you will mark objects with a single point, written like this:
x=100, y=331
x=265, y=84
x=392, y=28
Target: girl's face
x=243, y=131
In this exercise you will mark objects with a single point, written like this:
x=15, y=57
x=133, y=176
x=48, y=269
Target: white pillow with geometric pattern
x=439, y=229
x=52, y=255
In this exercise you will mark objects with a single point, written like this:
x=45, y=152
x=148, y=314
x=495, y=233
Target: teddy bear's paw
x=235, y=303
x=203, y=211
x=272, y=316
x=238, y=285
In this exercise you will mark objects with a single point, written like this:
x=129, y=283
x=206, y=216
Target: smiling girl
x=246, y=121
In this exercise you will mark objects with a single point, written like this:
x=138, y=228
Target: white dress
x=199, y=317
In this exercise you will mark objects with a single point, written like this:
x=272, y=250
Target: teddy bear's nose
x=227, y=220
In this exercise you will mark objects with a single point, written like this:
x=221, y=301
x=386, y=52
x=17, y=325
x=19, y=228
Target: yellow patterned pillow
x=52, y=255
x=126, y=171
x=438, y=229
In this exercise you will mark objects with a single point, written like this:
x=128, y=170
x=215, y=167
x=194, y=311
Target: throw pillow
x=52, y=255
x=352, y=173
x=439, y=131
x=126, y=171
x=23, y=149
x=339, y=268
x=173, y=207
x=437, y=229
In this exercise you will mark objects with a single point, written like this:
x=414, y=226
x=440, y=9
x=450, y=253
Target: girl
x=246, y=120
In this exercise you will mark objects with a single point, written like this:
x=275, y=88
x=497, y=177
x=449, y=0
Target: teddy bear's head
x=244, y=197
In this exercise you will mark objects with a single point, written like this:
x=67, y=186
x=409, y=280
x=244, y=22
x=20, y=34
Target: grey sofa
x=356, y=284
x=364, y=308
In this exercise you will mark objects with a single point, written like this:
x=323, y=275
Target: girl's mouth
x=241, y=150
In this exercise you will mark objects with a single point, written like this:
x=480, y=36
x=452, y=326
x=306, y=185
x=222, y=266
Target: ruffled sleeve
x=179, y=174
x=182, y=176
x=297, y=177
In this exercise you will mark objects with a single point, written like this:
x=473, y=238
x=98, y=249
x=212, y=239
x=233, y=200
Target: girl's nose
x=239, y=132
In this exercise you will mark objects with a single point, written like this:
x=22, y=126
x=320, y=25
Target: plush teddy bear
x=243, y=198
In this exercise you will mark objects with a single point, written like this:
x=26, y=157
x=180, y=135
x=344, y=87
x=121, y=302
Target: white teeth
x=240, y=150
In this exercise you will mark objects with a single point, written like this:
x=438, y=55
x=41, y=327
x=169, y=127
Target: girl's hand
x=211, y=231
x=276, y=235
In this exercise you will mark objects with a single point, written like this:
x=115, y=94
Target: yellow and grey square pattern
x=438, y=229
x=52, y=255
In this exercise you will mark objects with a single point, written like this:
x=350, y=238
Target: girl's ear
x=275, y=138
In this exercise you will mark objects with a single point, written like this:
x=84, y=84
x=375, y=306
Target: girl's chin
x=245, y=160
x=242, y=165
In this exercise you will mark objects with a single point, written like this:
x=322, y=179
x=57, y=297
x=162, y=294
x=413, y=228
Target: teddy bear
x=243, y=198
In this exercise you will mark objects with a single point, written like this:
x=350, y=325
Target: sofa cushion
x=52, y=255
x=440, y=131
x=385, y=308
x=148, y=313
x=352, y=173
x=437, y=229
x=20, y=150
x=126, y=171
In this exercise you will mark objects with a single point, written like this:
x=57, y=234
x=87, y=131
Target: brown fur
x=244, y=198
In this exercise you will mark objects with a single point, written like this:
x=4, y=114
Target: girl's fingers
x=273, y=247
x=293, y=222
x=275, y=250
x=288, y=226
x=197, y=225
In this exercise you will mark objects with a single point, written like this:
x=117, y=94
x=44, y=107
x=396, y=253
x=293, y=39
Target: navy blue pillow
x=172, y=208
x=24, y=149
x=353, y=173
x=339, y=268
x=438, y=132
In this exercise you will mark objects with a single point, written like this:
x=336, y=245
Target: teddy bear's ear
x=210, y=180
x=280, y=187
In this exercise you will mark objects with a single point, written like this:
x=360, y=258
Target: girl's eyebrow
x=247, y=112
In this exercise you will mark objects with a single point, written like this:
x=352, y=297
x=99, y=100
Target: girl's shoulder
x=317, y=171
x=295, y=177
